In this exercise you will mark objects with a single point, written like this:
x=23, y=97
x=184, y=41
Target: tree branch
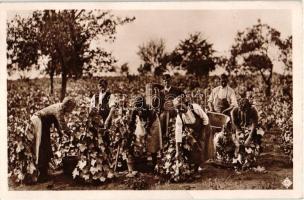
x=80, y=12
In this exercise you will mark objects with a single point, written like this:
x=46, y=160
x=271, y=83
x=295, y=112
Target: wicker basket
x=217, y=120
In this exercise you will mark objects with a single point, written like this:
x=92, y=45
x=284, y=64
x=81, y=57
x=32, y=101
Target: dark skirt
x=203, y=149
x=153, y=138
x=45, y=148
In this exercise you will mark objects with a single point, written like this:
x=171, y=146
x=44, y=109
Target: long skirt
x=209, y=144
x=154, y=137
x=202, y=150
x=43, y=148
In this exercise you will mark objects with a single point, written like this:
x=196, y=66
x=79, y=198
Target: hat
x=166, y=76
x=103, y=82
x=68, y=101
x=224, y=76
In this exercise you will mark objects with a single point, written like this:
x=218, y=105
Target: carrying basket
x=217, y=120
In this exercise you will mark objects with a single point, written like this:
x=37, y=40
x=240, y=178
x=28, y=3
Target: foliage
x=195, y=55
x=153, y=57
x=253, y=52
x=65, y=37
x=29, y=96
x=93, y=164
x=173, y=166
x=22, y=157
x=97, y=146
x=286, y=54
x=248, y=155
x=124, y=69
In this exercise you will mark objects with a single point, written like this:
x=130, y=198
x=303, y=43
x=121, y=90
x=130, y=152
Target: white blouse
x=112, y=100
x=189, y=118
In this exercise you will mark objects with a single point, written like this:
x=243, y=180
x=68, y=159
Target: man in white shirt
x=104, y=101
x=222, y=98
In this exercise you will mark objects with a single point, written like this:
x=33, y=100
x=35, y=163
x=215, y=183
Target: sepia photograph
x=150, y=99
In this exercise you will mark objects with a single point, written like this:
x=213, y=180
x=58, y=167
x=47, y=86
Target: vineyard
x=27, y=96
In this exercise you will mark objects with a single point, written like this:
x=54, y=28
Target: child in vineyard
x=42, y=121
x=167, y=94
x=142, y=126
x=121, y=139
x=192, y=117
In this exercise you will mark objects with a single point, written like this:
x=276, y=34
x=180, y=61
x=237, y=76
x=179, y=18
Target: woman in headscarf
x=191, y=117
x=42, y=122
x=246, y=138
x=185, y=150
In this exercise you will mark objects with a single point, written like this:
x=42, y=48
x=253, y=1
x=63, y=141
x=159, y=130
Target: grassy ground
x=213, y=177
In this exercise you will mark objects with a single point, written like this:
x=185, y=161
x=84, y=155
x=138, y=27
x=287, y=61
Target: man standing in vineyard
x=222, y=98
x=104, y=101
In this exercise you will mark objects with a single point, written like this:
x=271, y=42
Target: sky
x=217, y=26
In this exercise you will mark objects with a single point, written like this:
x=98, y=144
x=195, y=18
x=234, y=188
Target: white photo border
x=298, y=91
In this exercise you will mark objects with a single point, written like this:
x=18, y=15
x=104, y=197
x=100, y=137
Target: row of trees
x=194, y=54
x=255, y=51
x=64, y=38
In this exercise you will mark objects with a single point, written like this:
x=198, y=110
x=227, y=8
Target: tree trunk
x=52, y=84
x=64, y=80
x=269, y=80
x=206, y=79
x=268, y=88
